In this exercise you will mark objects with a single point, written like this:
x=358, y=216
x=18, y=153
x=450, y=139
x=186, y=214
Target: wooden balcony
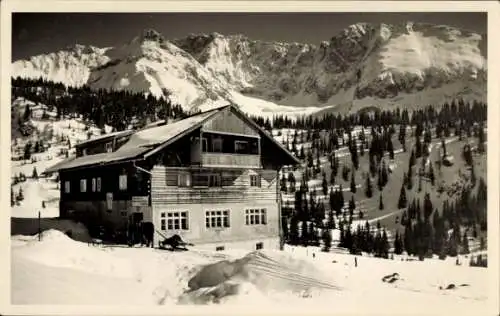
x=230, y=160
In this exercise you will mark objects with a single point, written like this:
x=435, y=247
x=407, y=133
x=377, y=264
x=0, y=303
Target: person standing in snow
x=356, y=262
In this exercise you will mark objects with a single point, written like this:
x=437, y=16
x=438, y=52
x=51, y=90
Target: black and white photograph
x=332, y=160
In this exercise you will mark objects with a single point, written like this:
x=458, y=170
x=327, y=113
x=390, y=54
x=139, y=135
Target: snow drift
x=59, y=270
x=263, y=271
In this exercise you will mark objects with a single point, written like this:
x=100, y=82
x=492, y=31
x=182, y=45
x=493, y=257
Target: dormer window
x=109, y=147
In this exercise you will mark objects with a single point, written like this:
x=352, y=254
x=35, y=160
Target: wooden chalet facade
x=211, y=178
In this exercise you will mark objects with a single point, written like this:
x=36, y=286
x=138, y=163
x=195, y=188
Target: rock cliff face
x=364, y=65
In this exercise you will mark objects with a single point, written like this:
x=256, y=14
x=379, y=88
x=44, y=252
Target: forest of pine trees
x=115, y=108
x=425, y=228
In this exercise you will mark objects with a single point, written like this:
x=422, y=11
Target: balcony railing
x=230, y=160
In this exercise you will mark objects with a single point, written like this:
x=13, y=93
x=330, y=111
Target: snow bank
x=58, y=250
x=58, y=270
x=266, y=272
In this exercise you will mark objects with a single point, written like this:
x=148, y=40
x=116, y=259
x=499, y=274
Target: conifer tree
x=380, y=183
x=380, y=203
x=35, y=174
x=398, y=245
x=305, y=233
x=327, y=240
x=427, y=206
x=384, y=249
x=325, y=186
x=294, y=231
x=368, y=187
x=12, y=197
x=345, y=173
x=402, y=198
x=353, y=182
x=20, y=195
x=352, y=205
x=431, y=174
x=354, y=157
x=465, y=244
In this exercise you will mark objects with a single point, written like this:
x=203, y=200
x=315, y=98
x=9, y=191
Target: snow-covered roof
x=103, y=158
x=148, y=141
x=105, y=136
x=139, y=143
x=160, y=134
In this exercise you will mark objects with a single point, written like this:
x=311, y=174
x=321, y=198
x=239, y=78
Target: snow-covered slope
x=56, y=269
x=71, y=67
x=410, y=64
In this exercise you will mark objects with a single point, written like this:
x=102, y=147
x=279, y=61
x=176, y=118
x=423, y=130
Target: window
x=219, y=248
x=255, y=180
x=109, y=201
x=255, y=217
x=123, y=182
x=214, y=180
x=98, y=185
x=66, y=186
x=94, y=184
x=184, y=179
x=217, y=145
x=174, y=221
x=109, y=147
x=241, y=147
x=217, y=219
x=84, y=152
x=123, y=213
x=259, y=245
x=207, y=180
x=83, y=185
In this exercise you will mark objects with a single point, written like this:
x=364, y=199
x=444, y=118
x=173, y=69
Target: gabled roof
x=146, y=142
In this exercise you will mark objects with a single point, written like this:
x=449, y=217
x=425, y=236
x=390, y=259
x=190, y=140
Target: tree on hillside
x=431, y=174
x=368, y=187
x=402, y=198
x=354, y=157
x=418, y=148
x=353, y=182
x=465, y=245
x=305, y=233
x=380, y=203
x=12, y=197
x=352, y=206
x=390, y=149
x=402, y=134
x=428, y=208
x=480, y=139
x=327, y=240
x=27, y=151
x=345, y=173
x=398, y=244
x=20, y=195
x=34, y=174
x=413, y=159
x=325, y=185
x=294, y=231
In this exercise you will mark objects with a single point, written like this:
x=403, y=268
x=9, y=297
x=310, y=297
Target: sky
x=38, y=33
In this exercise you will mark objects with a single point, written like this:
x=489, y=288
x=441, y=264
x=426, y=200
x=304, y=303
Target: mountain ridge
x=364, y=64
